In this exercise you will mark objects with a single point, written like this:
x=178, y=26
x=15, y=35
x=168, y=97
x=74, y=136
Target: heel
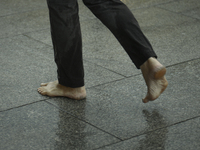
x=160, y=73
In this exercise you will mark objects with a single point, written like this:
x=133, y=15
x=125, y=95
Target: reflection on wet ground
x=70, y=132
x=157, y=138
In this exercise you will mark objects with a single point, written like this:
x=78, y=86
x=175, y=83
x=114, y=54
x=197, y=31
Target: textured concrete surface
x=113, y=116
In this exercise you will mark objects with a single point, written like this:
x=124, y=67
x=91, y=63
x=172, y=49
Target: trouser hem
x=145, y=58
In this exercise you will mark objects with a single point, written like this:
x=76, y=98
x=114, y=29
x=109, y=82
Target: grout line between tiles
x=24, y=34
x=107, y=69
x=84, y=121
x=149, y=6
x=24, y=105
x=179, y=13
x=182, y=62
x=36, y=40
x=176, y=123
x=20, y=12
x=169, y=66
x=150, y=132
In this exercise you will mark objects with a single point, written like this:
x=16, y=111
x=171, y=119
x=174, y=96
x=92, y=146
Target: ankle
x=78, y=91
x=151, y=64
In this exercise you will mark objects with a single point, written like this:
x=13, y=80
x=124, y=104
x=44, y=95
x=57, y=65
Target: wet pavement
x=113, y=116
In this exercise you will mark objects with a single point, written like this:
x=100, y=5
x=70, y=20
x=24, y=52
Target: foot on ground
x=154, y=75
x=55, y=89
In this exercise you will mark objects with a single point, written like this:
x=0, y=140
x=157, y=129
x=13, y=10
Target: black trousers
x=67, y=42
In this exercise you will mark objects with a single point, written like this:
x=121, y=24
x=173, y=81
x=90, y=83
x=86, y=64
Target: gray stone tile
x=175, y=44
x=84, y=12
x=194, y=13
x=43, y=36
x=180, y=5
x=8, y=7
x=42, y=126
x=185, y=7
x=154, y=16
x=118, y=109
x=96, y=75
x=26, y=63
x=182, y=136
x=24, y=22
x=137, y=4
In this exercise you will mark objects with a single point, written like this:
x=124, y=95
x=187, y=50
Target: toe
x=145, y=100
x=39, y=90
x=42, y=91
x=43, y=84
x=149, y=97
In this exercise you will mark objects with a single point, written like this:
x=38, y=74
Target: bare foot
x=55, y=89
x=154, y=75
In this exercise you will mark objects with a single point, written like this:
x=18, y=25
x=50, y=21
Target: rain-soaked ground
x=113, y=116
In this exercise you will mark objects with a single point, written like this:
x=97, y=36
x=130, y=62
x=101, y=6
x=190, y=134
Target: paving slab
x=185, y=7
x=25, y=63
x=180, y=6
x=42, y=126
x=175, y=44
x=195, y=13
x=43, y=36
x=182, y=136
x=118, y=109
x=154, y=16
x=24, y=22
x=84, y=12
x=23, y=66
x=138, y=4
x=8, y=7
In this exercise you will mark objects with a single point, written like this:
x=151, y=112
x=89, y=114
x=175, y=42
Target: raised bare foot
x=55, y=89
x=154, y=75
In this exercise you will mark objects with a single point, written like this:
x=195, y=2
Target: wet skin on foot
x=154, y=76
x=153, y=73
x=54, y=89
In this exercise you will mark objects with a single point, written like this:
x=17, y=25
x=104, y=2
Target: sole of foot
x=157, y=85
x=154, y=75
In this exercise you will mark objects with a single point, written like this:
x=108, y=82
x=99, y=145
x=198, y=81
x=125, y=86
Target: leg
x=67, y=43
x=121, y=22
